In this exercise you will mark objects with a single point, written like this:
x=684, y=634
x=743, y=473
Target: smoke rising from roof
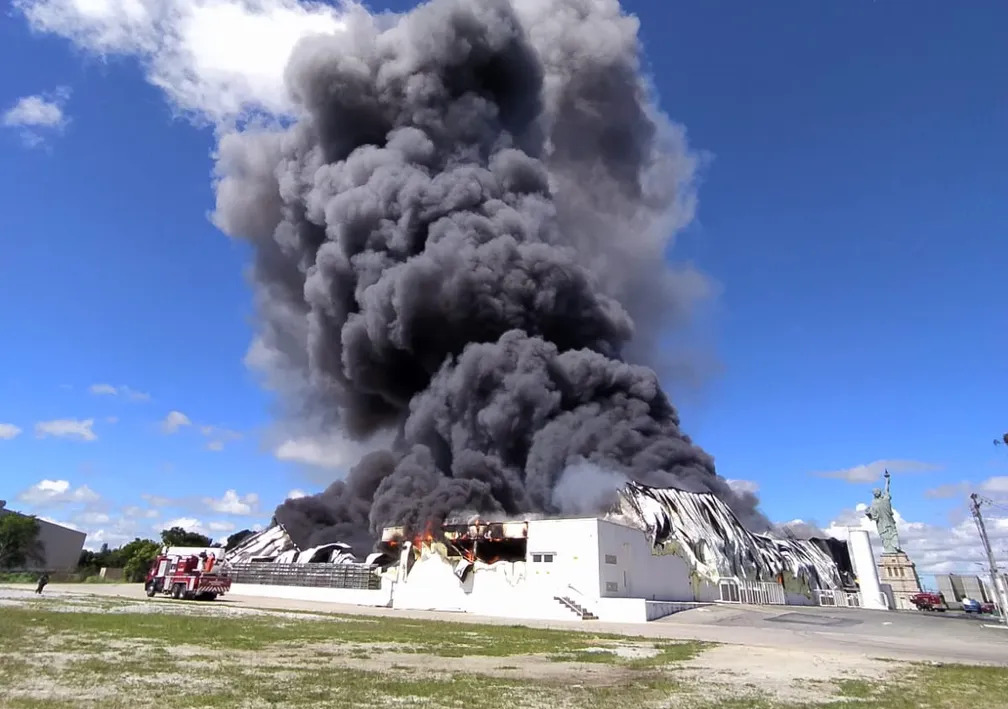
x=461, y=241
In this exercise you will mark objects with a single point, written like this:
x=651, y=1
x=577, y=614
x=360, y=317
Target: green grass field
x=111, y=653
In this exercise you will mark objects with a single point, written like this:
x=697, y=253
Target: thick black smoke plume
x=449, y=244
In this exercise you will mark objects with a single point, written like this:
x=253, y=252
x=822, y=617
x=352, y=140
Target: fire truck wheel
x=177, y=591
x=150, y=590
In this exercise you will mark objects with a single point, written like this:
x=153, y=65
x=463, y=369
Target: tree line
x=21, y=547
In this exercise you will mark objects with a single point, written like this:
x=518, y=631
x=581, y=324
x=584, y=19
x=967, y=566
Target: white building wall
x=606, y=568
x=629, y=569
x=499, y=590
x=574, y=547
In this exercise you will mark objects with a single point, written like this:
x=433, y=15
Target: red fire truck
x=191, y=576
x=929, y=601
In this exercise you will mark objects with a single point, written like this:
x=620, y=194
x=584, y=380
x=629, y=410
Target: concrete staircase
x=575, y=608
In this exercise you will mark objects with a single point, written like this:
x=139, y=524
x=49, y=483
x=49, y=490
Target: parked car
x=971, y=605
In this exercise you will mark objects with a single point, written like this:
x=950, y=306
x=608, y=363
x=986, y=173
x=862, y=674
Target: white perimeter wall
x=382, y=597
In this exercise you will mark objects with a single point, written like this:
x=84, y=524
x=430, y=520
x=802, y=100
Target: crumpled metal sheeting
x=715, y=543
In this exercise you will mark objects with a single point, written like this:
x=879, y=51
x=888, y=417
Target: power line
x=997, y=585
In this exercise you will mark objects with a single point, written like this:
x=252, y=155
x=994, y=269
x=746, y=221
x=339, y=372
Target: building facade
x=61, y=546
x=667, y=551
x=956, y=587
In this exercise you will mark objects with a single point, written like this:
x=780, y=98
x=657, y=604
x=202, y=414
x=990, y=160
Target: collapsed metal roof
x=713, y=540
x=698, y=526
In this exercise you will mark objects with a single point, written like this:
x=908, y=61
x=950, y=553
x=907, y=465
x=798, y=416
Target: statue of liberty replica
x=881, y=513
x=895, y=568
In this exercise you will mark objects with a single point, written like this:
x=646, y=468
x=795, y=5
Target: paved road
x=912, y=636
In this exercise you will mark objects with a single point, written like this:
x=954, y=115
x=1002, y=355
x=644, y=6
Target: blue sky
x=853, y=214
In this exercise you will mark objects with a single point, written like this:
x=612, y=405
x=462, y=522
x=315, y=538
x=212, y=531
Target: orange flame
x=426, y=538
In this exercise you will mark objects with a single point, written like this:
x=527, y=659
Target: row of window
x=547, y=558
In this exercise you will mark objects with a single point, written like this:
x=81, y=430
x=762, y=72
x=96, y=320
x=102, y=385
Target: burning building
x=655, y=551
x=460, y=245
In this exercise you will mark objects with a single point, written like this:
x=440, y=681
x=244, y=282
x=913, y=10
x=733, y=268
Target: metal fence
x=355, y=576
x=841, y=599
x=758, y=593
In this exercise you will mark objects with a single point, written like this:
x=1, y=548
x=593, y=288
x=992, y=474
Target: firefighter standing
x=43, y=580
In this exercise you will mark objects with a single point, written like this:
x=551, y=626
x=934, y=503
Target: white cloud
x=935, y=549
x=50, y=493
x=218, y=437
x=233, y=504
x=216, y=58
x=34, y=111
x=155, y=500
x=124, y=391
x=334, y=452
x=113, y=537
x=213, y=529
x=34, y=117
x=112, y=419
x=81, y=429
x=221, y=527
x=135, y=512
x=91, y=518
x=9, y=431
x=174, y=421
x=296, y=494
x=130, y=522
x=189, y=524
x=996, y=487
x=872, y=472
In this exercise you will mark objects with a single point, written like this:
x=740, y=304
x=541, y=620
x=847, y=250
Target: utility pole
x=997, y=587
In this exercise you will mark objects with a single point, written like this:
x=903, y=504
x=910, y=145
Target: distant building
x=61, y=546
x=956, y=587
x=987, y=586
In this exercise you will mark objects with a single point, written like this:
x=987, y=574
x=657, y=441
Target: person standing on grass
x=43, y=580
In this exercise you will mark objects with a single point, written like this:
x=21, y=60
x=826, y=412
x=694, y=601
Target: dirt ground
x=850, y=632
x=572, y=662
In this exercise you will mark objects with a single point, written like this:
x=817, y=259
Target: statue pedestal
x=900, y=574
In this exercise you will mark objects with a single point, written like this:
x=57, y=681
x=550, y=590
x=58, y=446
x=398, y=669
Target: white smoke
x=587, y=489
